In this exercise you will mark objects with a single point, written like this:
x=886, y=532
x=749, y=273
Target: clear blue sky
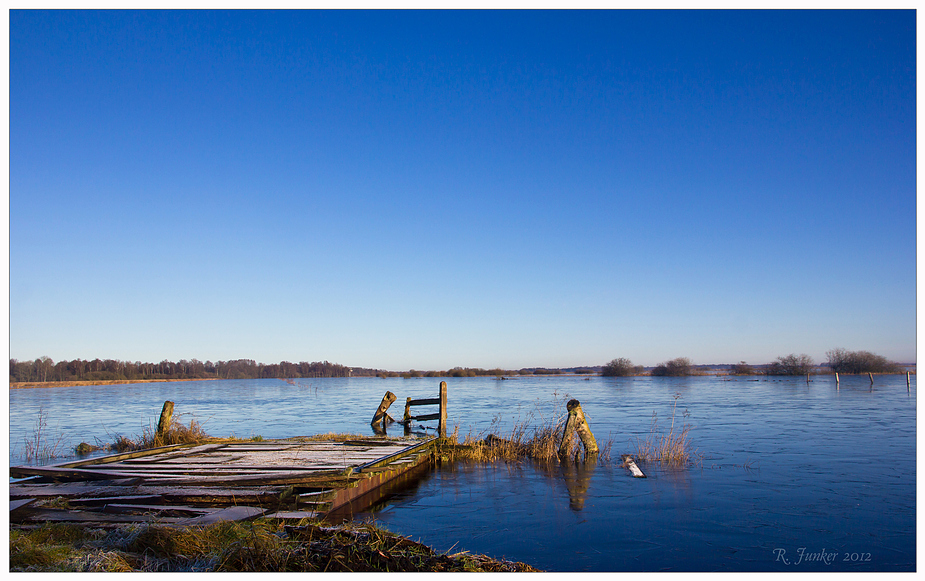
x=486, y=189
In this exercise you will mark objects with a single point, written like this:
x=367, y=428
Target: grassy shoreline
x=262, y=545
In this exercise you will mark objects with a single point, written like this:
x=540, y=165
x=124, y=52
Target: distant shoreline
x=30, y=384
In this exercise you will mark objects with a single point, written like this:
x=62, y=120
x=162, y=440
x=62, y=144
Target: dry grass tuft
x=176, y=433
x=540, y=442
x=257, y=546
x=41, y=445
x=672, y=449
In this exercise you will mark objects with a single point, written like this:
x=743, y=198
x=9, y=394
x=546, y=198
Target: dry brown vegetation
x=261, y=545
x=672, y=448
x=540, y=443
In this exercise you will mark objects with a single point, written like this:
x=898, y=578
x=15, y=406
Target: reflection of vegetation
x=844, y=361
x=792, y=365
x=677, y=367
x=671, y=449
x=261, y=545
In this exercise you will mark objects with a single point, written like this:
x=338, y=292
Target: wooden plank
x=427, y=417
x=293, y=515
x=71, y=473
x=14, y=504
x=234, y=513
x=123, y=508
x=392, y=457
x=120, y=456
x=127, y=498
x=53, y=515
x=431, y=401
x=628, y=462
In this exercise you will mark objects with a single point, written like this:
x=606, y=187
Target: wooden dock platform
x=226, y=480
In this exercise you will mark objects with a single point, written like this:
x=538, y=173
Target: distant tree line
x=839, y=360
x=44, y=369
x=472, y=372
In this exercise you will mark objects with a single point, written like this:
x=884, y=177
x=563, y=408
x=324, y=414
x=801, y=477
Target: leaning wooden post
x=836, y=380
x=871, y=376
x=576, y=423
x=380, y=414
x=163, y=425
x=441, y=426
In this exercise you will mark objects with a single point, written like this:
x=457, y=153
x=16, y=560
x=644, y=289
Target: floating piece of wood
x=628, y=462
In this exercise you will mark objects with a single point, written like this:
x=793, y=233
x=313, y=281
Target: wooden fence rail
x=440, y=416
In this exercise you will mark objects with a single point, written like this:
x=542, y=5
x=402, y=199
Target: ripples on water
x=786, y=465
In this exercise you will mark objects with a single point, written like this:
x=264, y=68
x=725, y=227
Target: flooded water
x=791, y=476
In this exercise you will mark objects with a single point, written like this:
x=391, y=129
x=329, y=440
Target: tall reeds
x=527, y=439
x=671, y=449
x=41, y=445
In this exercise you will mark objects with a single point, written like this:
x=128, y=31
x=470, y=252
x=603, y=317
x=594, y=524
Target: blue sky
x=487, y=189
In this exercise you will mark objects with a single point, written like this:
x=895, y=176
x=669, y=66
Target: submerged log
x=576, y=423
x=380, y=417
x=628, y=462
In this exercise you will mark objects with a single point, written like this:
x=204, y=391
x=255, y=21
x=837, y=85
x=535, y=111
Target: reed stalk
x=672, y=449
x=41, y=445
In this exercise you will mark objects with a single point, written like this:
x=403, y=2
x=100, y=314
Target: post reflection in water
x=577, y=478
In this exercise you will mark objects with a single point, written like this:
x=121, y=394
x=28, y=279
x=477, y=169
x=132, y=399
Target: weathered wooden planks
x=289, y=477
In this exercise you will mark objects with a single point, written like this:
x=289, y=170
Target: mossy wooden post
x=163, y=425
x=380, y=415
x=441, y=426
x=406, y=419
x=576, y=423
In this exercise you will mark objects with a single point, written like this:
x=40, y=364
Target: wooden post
x=441, y=426
x=836, y=380
x=908, y=383
x=380, y=414
x=576, y=423
x=163, y=425
x=407, y=417
x=871, y=376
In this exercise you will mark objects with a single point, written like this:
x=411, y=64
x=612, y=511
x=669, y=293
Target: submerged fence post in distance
x=576, y=423
x=441, y=426
x=163, y=425
x=380, y=414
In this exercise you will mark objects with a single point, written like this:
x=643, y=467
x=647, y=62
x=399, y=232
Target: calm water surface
x=794, y=476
